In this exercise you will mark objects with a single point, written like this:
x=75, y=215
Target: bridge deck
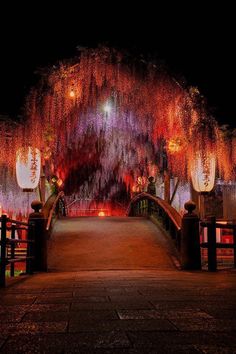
x=108, y=243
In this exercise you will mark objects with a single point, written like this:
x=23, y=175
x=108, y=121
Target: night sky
x=197, y=45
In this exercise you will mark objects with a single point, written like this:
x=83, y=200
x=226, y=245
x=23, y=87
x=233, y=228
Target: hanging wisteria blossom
x=102, y=120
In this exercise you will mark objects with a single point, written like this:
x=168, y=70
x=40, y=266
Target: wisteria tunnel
x=104, y=122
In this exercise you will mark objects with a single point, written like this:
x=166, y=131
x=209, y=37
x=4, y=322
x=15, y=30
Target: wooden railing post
x=30, y=263
x=234, y=242
x=3, y=251
x=149, y=207
x=190, y=239
x=12, y=266
x=40, y=235
x=211, y=235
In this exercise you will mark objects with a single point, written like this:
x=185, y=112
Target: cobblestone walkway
x=133, y=311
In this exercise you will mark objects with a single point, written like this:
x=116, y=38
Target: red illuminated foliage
x=93, y=150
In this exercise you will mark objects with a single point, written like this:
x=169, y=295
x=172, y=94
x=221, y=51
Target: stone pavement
x=130, y=311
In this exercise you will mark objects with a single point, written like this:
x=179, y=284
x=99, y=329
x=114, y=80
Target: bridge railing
x=8, y=256
x=186, y=232
x=145, y=204
x=80, y=206
x=44, y=221
x=53, y=208
x=212, y=245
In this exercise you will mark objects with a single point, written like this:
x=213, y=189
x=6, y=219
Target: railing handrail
x=59, y=196
x=212, y=244
x=100, y=209
x=69, y=205
x=17, y=222
x=218, y=225
x=168, y=209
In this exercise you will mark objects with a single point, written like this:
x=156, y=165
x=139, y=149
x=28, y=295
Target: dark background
x=194, y=42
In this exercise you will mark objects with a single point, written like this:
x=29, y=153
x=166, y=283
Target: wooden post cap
x=36, y=205
x=190, y=206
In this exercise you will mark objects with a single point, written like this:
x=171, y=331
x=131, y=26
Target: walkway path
x=149, y=307
x=98, y=243
x=125, y=312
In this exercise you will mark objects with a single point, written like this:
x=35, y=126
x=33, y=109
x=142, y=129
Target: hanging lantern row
x=174, y=145
x=28, y=165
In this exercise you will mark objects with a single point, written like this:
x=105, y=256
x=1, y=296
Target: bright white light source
x=107, y=108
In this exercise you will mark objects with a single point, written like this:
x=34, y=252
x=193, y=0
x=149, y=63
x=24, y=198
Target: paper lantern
x=174, y=145
x=59, y=182
x=28, y=165
x=141, y=180
x=203, y=169
x=134, y=189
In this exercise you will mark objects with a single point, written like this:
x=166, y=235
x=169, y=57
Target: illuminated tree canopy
x=103, y=119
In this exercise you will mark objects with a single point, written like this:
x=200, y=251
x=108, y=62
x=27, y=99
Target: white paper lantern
x=203, y=172
x=28, y=165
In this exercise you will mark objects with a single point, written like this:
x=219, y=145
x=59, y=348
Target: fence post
x=234, y=242
x=30, y=263
x=12, y=266
x=3, y=251
x=139, y=207
x=40, y=236
x=190, y=239
x=64, y=212
x=132, y=210
x=150, y=207
x=211, y=240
